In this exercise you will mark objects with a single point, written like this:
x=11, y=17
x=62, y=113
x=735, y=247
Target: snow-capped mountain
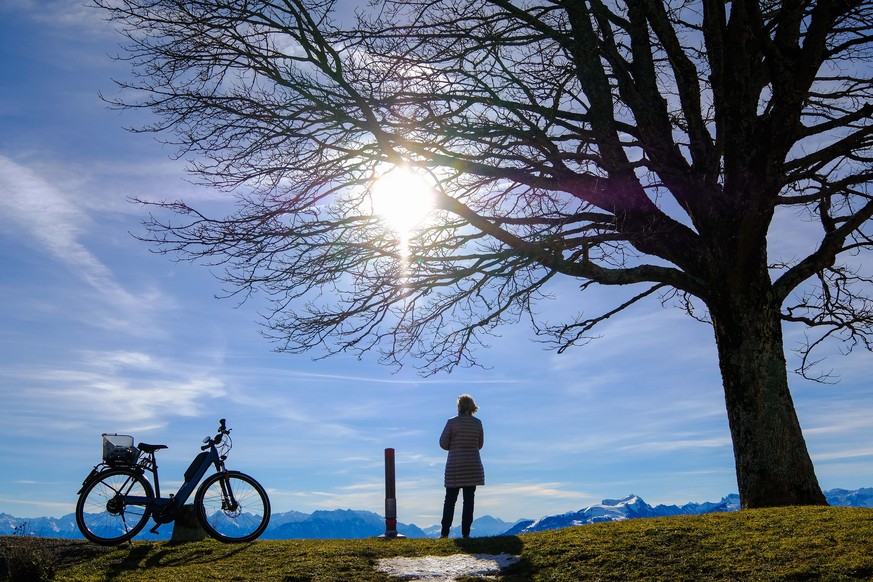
x=858, y=498
x=47, y=527
x=631, y=507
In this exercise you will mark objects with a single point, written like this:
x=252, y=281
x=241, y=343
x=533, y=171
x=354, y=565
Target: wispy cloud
x=44, y=214
x=369, y=495
x=61, y=14
x=845, y=454
x=829, y=419
x=552, y=490
x=678, y=444
x=129, y=389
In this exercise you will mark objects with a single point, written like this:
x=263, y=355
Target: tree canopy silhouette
x=657, y=145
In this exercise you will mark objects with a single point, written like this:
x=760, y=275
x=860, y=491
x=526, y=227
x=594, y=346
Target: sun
x=402, y=198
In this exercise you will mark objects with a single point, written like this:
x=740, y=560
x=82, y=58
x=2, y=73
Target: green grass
x=811, y=543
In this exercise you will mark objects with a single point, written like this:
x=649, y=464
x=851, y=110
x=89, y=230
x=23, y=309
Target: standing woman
x=462, y=438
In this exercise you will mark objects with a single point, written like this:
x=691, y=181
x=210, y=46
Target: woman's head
x=466, y=404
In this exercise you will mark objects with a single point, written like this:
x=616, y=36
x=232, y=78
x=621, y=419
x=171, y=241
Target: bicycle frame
x=164, y=510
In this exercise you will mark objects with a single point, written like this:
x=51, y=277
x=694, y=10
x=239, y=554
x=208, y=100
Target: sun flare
x=402, y=199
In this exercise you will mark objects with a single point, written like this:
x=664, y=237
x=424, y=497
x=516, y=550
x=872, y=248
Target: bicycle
x=117, y=499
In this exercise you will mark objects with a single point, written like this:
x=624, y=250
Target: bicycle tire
x=242, y=517
x=102, y=517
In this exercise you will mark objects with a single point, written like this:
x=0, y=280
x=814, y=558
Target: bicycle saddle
x=150, y=448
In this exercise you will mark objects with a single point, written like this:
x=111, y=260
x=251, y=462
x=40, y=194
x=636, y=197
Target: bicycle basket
x=118, y=449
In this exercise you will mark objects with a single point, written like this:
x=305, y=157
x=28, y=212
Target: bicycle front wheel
x=101, y=513
x=232, y=507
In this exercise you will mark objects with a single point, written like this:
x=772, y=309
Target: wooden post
x=390, y=498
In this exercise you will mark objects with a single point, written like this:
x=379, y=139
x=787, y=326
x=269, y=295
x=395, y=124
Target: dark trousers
x=466, y=512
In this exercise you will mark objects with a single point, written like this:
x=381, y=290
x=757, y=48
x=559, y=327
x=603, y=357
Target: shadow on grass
x=513, y=545
x=490, y=545
x=57, y=553
x=148, y=555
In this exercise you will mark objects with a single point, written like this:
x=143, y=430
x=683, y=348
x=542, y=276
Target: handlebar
x=222, y=430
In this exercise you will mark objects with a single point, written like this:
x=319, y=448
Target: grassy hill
x=821, y=543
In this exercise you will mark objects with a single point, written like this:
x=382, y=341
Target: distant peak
x=629, y=500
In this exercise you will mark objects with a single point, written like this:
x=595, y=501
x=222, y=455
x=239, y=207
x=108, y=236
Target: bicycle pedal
x=154, y=530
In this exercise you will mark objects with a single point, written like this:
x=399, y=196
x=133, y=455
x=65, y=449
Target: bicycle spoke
x=101, y=513
x=233, y=507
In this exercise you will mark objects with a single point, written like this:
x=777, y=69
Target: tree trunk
x=773, y=464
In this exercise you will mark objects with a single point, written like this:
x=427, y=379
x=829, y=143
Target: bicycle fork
x=228, y=502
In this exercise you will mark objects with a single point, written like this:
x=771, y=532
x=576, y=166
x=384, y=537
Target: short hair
x=466, y=404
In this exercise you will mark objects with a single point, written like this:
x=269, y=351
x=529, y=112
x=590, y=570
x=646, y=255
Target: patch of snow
x=445, y=568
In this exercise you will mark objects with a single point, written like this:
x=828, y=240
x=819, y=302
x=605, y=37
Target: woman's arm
x=446, y=437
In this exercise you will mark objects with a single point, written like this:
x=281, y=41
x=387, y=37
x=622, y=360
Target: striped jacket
x=462, y=438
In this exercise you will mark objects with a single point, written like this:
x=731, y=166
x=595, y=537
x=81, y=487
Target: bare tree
x=635, y=143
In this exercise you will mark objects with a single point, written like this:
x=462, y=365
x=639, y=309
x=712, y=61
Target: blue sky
x=98, y=334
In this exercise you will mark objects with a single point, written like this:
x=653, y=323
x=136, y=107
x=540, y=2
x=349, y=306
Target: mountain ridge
x=350, y=523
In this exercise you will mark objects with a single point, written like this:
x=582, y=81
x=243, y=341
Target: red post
x=390, y=498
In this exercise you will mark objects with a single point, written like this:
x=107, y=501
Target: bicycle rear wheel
x=101, y=514
x=232, y=507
